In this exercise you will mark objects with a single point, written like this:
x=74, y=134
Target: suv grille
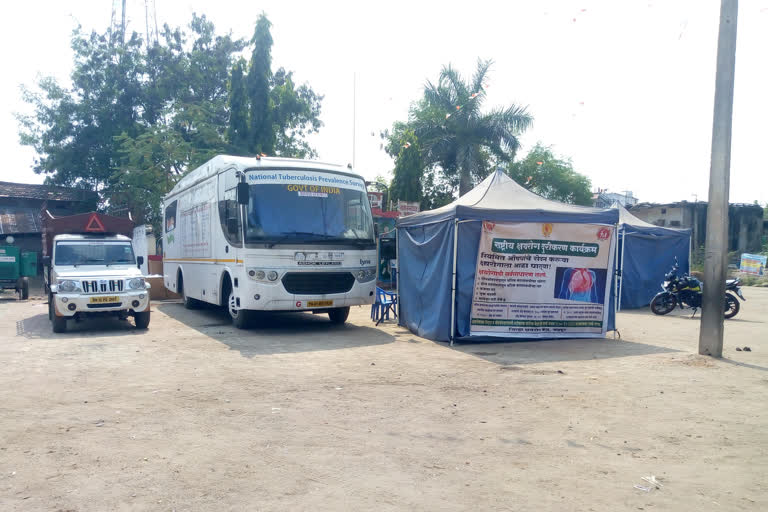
x=103, y=286
x=318, y=283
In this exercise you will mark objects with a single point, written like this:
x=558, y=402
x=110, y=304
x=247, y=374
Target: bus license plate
x=104, y=300
x=319, y=303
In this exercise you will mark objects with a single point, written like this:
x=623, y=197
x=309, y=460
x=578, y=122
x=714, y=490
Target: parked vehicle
x=686, y=291
x=270, y=234
x=16, y=267
x=91, y=269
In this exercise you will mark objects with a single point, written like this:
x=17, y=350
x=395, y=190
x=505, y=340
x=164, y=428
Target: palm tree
x=456, y=135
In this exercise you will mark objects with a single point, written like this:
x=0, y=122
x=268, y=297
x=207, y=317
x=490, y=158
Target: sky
x=624, y=89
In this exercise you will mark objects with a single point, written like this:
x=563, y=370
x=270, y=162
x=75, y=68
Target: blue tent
x=646, y=253
x=437, y=252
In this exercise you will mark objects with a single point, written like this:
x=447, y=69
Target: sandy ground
x=300, y=415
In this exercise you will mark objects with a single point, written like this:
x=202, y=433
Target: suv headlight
x=136, y=283
x=68, y=286
x=366, y=274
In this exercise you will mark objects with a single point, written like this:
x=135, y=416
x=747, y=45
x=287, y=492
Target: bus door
x=230, y=219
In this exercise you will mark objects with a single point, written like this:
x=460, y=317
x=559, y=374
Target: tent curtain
x=424, y=282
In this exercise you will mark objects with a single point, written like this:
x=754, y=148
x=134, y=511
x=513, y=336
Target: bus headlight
x=259, y=275
x=365, y=275
x=136, y=283
x=272, y=275
x=68, y=286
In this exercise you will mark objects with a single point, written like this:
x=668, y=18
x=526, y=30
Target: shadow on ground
x=559, y=350
x=38, y=327
x=275, y=333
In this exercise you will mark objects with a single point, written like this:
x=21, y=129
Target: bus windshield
x=94, y=253
x=301, y=213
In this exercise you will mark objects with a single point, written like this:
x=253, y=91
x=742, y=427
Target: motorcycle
x=685, y=292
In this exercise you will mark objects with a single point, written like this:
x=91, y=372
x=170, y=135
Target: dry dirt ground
x=300, y=415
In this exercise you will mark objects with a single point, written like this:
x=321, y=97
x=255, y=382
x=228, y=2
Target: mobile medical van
x=270, y=234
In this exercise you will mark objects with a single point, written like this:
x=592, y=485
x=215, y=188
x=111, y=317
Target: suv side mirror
x=139, y=261
x=232, y=225
x=242, y=193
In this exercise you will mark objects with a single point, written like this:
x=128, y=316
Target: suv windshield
x=94, y=253
x=301, y=208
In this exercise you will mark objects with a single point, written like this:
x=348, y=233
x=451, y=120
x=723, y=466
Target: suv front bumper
x=69, y=304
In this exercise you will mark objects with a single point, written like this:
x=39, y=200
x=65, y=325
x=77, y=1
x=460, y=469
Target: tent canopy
x=646, y=254
x=426, y=250
x=499, y=197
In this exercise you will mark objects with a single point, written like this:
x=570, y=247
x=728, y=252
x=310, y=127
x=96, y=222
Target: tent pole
x=621, y=268
x=397, y=271
x=453, y=281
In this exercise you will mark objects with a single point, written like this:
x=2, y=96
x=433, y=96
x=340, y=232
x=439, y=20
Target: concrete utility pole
x=716, y=250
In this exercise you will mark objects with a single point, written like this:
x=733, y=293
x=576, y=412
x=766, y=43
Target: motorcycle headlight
x=68, y=286
x=136, y=283
x=366, y=274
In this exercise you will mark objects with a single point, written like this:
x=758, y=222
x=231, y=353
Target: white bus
x=274, y=234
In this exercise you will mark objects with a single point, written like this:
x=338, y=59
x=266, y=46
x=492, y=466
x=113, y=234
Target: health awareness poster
x=542, y=280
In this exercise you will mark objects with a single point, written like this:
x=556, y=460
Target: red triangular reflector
x=94, y=224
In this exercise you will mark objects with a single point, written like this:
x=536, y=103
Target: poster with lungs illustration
x=542, y=280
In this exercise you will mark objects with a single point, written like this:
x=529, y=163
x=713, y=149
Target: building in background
x=745, y=222
x=21, y=204
x=604, y=199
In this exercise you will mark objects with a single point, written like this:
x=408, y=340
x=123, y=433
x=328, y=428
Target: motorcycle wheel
x=732, y=306
x=662, y=304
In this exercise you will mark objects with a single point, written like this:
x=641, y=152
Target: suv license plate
x=103, y=300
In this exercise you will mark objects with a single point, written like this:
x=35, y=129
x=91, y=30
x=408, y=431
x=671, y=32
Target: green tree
x=542, y=172
x=262, y=136
x=138, y=117
x=456, y=135
x=238, y=107
x=406, y=183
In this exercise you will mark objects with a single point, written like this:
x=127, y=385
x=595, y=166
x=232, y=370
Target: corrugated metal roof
x=49, y=192
x=19, y=220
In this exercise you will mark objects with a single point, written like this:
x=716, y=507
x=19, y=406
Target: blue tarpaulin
x=646, y=253
x=425, y=251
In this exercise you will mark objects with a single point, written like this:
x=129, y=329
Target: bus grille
x=103, y=286
x=318, y=283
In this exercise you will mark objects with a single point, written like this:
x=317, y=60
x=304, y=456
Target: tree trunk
x=465, y=181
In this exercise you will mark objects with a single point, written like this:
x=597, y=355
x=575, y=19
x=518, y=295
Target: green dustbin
x=28, y=264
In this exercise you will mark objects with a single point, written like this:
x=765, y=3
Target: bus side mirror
x=242, y=193
x=376, y=230
x=232, y=225
x=139, y=261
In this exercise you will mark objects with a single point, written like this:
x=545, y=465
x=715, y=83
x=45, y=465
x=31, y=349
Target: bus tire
x=141, y=319
x=241, y=318
x=189, y=302
x=338, y=315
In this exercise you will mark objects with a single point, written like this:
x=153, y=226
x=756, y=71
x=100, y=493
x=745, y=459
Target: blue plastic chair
x=386, y=302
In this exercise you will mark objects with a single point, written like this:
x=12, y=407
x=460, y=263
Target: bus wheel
x=338, y=315
x=240, y=317
x=189, y=302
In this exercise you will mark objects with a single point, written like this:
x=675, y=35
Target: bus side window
x=229, y=216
